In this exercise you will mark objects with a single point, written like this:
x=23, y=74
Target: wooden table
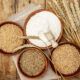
x=7, y=8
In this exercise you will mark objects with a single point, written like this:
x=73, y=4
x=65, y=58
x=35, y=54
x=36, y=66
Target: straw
x=28, y=37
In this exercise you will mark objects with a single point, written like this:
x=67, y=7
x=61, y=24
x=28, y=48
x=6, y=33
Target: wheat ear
x=69, y=14
x=76, y=3
x=74, y=14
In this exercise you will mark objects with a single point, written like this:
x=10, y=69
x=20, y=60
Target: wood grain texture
x=6, y=9
x=20, y=4
x=7, y=68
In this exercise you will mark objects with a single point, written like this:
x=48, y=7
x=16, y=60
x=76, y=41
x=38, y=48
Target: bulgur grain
x=66, y=59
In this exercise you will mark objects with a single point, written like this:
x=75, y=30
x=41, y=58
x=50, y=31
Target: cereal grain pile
x=32, y=62
x=66, y=59
x=9, y=37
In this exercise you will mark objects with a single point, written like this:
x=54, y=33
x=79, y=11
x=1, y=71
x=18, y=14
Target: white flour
x=42, y=22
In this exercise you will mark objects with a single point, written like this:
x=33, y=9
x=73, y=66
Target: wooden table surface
x=7, y=8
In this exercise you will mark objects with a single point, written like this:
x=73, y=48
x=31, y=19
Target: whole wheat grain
x=66, y=59
x=9, y=37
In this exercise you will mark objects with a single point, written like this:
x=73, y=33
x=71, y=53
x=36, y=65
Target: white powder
x=40, y=22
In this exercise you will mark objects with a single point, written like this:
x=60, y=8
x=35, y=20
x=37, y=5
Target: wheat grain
x=66, y=58
x=9, y=37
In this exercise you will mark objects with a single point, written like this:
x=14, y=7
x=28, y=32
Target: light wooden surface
x=7, y=8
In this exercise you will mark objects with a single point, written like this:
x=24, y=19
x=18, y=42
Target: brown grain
x=66, y=58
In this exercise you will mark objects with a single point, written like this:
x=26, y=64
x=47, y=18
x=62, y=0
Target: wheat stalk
x=59, y=8
x=73, y=26
x=60, y=12
x=76, y=4
x=74, y=14
x=69, y=14
x=68, y=35
x=28, y=37
x=23, y=46
x=72, y=34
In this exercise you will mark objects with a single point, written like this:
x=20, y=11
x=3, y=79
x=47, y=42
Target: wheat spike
x=60, y=12
x=69, y=14
x=76, y=4
x=74, y=14
x=59, y=8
